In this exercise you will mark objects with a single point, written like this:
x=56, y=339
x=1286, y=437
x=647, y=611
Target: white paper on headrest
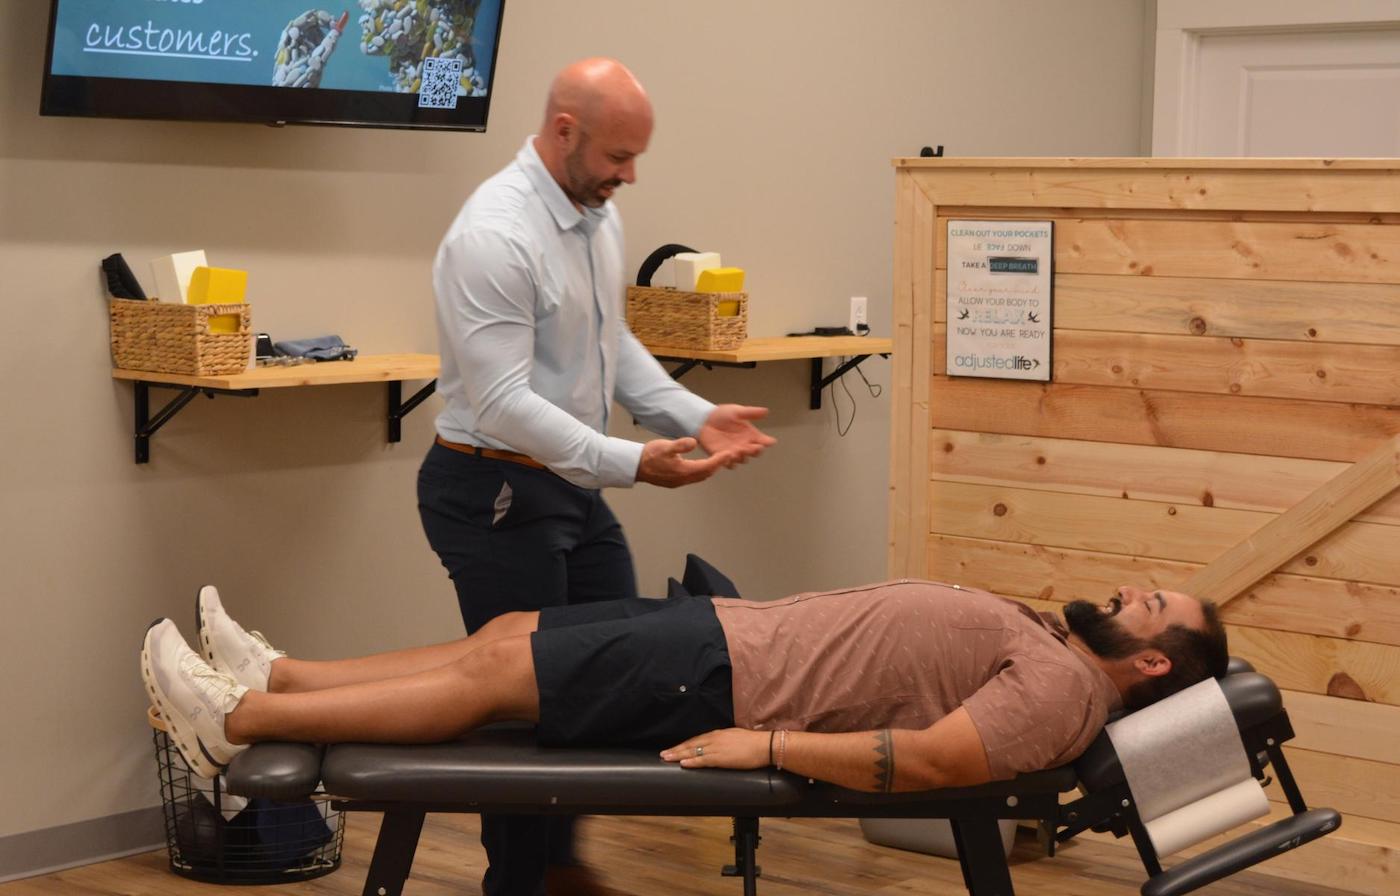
x=1205, y=818
x=1180, y=749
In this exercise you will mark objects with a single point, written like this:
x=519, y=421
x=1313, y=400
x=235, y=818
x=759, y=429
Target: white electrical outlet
x=858, y=322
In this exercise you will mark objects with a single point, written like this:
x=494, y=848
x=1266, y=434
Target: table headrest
x=1253, y=699
x=1238, y=664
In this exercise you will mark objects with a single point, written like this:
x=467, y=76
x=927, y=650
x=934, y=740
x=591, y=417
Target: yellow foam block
x=721, y=280
x=727, y=309
x=224, y=323
x=217, y=286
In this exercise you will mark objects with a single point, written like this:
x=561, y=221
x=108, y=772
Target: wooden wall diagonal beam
x=1350, y=492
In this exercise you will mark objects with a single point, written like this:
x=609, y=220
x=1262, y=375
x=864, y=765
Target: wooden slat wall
x=1226, y=340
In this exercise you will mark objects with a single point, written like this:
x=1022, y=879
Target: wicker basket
x=671, y=317
x=170, y=338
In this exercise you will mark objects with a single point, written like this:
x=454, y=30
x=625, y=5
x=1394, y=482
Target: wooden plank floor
x=678, y=857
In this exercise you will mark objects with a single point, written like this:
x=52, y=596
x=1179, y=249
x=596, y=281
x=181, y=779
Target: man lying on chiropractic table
x=906, y=685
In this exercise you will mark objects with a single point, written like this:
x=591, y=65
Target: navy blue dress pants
x=513, y=537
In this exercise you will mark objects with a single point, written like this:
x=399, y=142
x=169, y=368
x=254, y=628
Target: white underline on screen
x=171, y=55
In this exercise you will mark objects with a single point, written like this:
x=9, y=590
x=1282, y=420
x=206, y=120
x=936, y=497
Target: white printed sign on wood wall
x=1000, y=299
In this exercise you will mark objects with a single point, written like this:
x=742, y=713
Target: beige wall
x=776, y=124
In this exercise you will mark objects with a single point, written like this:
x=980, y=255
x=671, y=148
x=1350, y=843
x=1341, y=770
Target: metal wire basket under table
x=215, y=837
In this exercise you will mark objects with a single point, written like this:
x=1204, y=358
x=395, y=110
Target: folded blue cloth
x=318, y=348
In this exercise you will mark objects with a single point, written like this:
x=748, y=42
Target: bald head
x=596, y=92
x=597, y=120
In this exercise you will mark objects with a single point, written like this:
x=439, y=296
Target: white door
x=1277, y=78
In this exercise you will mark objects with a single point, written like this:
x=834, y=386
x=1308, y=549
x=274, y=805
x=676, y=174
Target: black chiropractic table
x=502, y=770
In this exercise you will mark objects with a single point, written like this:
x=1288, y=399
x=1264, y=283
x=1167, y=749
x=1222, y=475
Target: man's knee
x=506, y=625
x=503, y=671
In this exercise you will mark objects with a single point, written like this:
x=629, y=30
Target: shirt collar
x=560, y=206
x=1057, y=628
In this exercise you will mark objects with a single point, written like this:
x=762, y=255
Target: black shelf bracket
x=147, y=424
x=689, y=364
x=685, y=365
x=399, y=409
x=819, y=382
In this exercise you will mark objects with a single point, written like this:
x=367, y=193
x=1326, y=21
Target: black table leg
x=393, y=853
x=982, y=856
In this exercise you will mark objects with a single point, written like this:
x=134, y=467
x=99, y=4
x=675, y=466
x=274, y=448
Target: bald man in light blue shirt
x=530, y=284
x=534, y=345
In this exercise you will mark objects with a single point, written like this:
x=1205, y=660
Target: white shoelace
x=258, y=636
x=221, y=689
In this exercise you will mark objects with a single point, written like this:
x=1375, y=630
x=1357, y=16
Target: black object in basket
x=264, y=842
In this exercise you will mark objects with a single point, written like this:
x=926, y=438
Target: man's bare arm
x=947, y=754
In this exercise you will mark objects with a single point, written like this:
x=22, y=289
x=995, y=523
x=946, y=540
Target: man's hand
x=664, y=463
x=725, y=748
x=729, y=428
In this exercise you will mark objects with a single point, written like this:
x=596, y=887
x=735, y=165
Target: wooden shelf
x=782, y=348
x=389, y=369
x=364, y=369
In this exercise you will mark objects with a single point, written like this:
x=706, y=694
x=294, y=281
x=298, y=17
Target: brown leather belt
x=493, y=453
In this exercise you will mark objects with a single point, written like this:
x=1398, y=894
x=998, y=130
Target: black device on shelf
x=206, y=61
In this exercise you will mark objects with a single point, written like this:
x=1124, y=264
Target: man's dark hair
x=1195, y=654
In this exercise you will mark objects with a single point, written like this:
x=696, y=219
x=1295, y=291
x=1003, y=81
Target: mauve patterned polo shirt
x=903, y=655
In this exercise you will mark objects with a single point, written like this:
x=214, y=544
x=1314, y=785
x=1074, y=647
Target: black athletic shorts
x=631, y=672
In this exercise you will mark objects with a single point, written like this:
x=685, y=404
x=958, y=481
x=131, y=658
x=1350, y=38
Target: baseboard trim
x=81, y=843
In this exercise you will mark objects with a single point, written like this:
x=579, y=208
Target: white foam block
x=931, y=836
x=172, y=274
x=688, y=266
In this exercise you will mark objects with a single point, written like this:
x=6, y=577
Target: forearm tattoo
x=884, y=763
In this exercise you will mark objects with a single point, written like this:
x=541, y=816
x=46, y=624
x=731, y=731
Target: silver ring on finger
x=699, y=751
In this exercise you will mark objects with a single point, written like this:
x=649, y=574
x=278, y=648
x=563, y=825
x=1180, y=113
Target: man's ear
x=563, y=130
x=1152, y=663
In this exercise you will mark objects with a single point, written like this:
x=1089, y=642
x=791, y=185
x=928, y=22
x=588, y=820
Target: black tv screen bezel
x=139, y=98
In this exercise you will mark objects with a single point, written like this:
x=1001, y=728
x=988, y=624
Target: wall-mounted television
x=372, y=63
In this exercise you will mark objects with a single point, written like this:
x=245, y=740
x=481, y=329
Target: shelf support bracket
x=147, y=425
x=689, y=364
x=819, y=382
x=399, y=409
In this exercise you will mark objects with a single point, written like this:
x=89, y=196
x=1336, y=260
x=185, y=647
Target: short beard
x=583, y=188
x=1100, y=632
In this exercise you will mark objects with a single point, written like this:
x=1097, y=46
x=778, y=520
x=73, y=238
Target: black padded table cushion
x=275, y=771
x=504, y=769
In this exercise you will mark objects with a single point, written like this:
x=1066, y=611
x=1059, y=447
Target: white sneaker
x=245, y=655
x=191, y=697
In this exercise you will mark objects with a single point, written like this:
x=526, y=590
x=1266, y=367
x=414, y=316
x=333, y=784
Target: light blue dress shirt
x=532, y=333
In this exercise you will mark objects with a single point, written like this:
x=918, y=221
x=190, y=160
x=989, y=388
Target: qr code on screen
x=440, y=80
